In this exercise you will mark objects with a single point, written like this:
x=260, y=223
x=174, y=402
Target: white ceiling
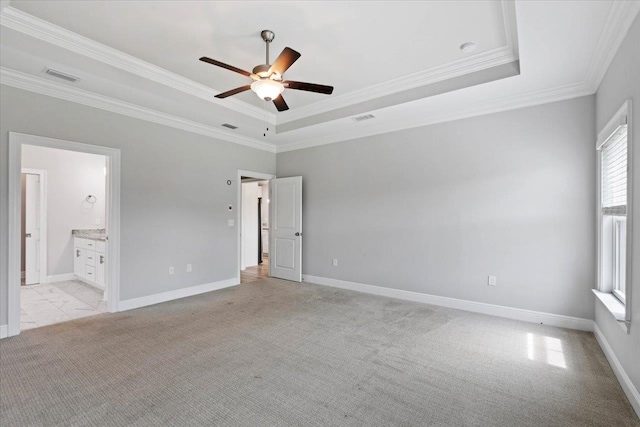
x=141, y=58
x=350, y=45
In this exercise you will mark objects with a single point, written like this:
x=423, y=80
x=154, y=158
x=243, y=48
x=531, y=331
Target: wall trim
x=133, y=303
x=42, y=86
x=625, y=382
x=460, y=304
x=4, y=331
x=61, y=277
x=35, y=27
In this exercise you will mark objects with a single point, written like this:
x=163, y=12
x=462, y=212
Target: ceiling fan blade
x=233, y=91
x=228, y=67
x=285, y=60
x=309, y=87
x=280, y=104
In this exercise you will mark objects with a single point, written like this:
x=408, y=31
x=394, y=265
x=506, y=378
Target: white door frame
x=42, y=174
x=16, y=141
x=249, y=174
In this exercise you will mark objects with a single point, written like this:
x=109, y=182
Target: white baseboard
x=130, y=304
x=61, y=277
x=4, y=331
x=629, y=389
x=476, y=307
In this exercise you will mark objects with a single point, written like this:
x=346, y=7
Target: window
x=613, y=211
x=619, y=256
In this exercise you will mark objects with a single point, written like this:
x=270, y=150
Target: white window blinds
x=614, y=173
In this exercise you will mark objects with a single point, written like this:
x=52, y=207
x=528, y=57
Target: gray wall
x=174, y=194
x=437, y=209
x=622, y=82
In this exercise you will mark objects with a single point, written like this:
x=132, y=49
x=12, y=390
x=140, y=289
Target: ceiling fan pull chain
x=264, y=104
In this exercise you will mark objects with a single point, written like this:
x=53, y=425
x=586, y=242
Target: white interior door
x=285, y=254
x=32, y=230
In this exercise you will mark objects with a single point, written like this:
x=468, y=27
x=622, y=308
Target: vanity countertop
x=95, y=234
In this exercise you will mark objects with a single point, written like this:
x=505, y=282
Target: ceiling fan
x=267, y=79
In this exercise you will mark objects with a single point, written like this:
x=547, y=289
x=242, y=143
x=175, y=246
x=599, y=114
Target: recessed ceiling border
x=470, y=64
x=23, y=22
x=20, y=21
x=619, y=20
x=42, y=86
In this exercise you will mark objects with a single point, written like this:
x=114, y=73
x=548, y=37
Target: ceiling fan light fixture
x=267, y=89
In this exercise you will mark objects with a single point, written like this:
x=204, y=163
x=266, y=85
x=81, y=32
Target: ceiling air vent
x=61, y=75
x=363, y=118
x=227, y=125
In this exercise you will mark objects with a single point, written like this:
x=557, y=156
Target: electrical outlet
x=231, y=223
x=172, y=270
x=492, y=281
x=189, y=268
x=335, y=262
x=97, y=221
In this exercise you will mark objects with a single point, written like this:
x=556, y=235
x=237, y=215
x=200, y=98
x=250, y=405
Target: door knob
x=298, y=234
x=27, y=235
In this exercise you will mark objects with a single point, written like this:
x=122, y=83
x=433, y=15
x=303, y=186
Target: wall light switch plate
x=335, y=262
x=172, y=270
x=189, y=268
x=492, y=281
x=231, y=223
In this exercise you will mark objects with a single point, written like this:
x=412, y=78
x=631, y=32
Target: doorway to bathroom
x=64, y=203
x=63, y=235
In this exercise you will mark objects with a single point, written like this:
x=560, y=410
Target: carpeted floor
x=279, y=353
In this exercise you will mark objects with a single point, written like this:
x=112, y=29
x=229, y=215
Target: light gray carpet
x=278, y=353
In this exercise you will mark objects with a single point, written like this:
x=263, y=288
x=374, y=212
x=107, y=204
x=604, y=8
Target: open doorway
x=253, y=226
x=63, y=243
x=255, y=230
x=64, y=222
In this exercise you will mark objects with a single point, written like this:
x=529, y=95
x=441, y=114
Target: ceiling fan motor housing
x=268, y=35
x=262, y=70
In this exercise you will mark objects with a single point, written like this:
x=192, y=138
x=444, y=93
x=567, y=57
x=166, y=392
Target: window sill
x=615, y=307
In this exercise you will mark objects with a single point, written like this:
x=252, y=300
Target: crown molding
x=25, y=23
x=467, y=65
x=42, y=86
x=512, y=102
x=620, y=18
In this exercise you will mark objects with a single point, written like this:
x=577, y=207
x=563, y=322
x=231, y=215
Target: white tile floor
x=49, y=303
